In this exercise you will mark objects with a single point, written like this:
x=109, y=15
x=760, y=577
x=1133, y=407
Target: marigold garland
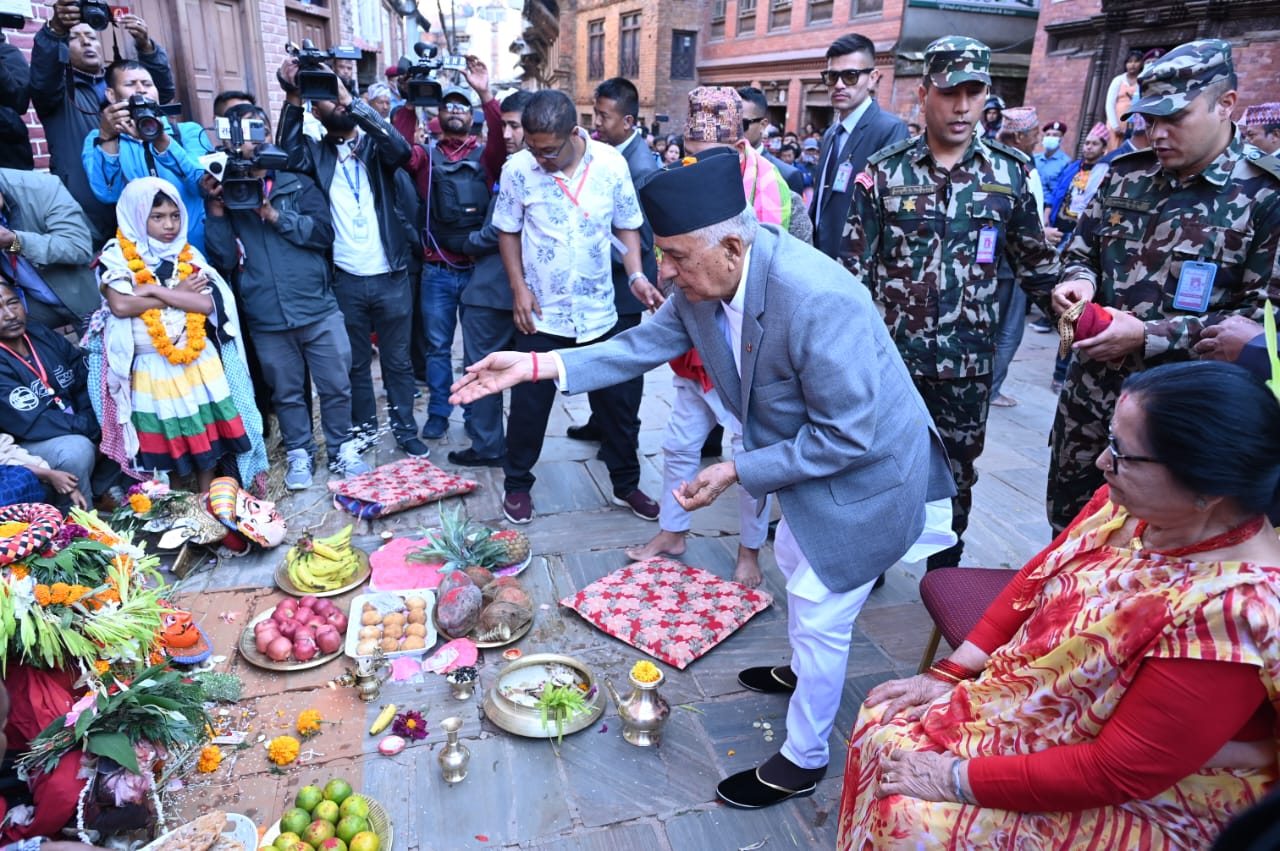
x=210, y=759
x=308, y=723
x=283, y=750
x=196, y=338
x=13, y=528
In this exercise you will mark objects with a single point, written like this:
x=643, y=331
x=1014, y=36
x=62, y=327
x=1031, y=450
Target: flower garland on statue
x=196, y=338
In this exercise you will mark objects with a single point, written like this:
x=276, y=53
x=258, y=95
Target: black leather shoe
x=713, y=446
x=779, y=680
x=746, y=790
x=585, y=432
x=469, y=458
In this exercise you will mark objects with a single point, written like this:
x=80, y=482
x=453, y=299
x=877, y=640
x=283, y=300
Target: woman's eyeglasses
x=1117, y=456
x=849, y=76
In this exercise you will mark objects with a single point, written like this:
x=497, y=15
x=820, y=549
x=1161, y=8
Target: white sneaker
x=349, y=462
x=298, y=478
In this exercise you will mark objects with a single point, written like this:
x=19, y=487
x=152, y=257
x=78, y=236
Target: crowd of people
x=844, y=304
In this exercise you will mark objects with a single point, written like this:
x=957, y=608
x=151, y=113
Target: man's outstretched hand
x=497, y=372
x=706, y=486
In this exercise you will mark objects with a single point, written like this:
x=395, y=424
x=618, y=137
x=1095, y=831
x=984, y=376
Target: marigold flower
x=283, y=750
x=102, y=666
x=210, y=759
x=42, y=595
x=308, y=722
x=645, y=671
x=59, y=593
x=13, y=528
x=20, y=571
x=140, y=503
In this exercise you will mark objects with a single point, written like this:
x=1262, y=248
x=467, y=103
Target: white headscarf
x=134, y=208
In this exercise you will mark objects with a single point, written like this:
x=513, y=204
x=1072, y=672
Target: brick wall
x=659, y=94
x=1258, y=66
x=785, y=63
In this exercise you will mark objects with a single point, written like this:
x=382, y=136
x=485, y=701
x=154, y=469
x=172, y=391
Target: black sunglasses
x=849, y=76
x=1117, y=456
x=747, y=122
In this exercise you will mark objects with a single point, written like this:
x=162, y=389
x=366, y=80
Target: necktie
x=829, y=168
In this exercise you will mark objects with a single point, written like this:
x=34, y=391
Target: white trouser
x=693, y=415
x=819, y=627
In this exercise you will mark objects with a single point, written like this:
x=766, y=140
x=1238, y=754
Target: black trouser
x=531, y=408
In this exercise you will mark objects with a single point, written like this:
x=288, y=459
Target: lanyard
x=355, y=185
x=41, y=374
x=573, y=196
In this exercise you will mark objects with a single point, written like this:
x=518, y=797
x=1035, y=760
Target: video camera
x=148, y=116
x=315, y=82
x=240, y=189
x=419, y=84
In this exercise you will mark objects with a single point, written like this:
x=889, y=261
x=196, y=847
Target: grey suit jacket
x=640, y=162
x=833, y=424
x=874, y=130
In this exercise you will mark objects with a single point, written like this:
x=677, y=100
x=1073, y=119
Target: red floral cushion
x=670, y=610
x=393, y=487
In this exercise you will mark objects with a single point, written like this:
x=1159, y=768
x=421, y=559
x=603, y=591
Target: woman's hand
x=917, y=774
x=911, y=695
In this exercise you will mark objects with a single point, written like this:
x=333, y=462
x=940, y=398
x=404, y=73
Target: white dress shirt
x=357, y=244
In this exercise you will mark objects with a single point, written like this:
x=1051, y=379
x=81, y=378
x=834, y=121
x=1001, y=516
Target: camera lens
x=149, y=128
x=95, y=13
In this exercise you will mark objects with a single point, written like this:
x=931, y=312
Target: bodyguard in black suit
x=861, y=129
x=755, y=119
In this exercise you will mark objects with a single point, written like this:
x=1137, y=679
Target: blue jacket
x=1051, y=167
x=179, y=165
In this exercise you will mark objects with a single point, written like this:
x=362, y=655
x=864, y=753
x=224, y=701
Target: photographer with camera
x=67, y=88
x=455, y=179
x=136, y=139
x=355, y=166
x=277, y=257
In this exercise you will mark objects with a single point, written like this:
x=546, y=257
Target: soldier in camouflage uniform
x=932, y=217
x=1177, y=238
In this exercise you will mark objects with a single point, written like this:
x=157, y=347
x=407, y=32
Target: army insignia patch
x=909, y=205
x=1116, y=218
x=864, y=180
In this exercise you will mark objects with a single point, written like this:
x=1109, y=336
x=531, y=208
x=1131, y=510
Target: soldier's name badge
x=843, y=174
x=987, y=245
x=1195, y=285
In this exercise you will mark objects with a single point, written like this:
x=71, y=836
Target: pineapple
x=460, y=544
x=515, y=546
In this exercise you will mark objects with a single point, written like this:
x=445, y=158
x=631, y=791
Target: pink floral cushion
x=668, y=609
x=394, y=487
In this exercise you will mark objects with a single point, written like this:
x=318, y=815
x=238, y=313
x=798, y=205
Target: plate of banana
x=323, y=567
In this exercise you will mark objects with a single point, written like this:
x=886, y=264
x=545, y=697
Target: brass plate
x=362, y=573
x=249, y=650
x=527, y=721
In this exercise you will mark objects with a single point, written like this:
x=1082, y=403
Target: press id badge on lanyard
x=359, y=222
x=573, y=199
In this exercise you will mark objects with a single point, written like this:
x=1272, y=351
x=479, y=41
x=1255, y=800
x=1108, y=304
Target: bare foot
x=748, y=570
x=663, y=544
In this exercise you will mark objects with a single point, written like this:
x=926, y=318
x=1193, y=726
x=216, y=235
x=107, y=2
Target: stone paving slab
x=595, y=792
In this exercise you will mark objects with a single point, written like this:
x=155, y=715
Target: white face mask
x=1051, y=143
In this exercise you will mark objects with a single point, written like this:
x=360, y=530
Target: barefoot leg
x=663, y=543
x=747, y=571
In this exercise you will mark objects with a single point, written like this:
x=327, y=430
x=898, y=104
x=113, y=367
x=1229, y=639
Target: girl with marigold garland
x=173, y=368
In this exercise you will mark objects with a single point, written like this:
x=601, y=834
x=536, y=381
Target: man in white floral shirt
x=564, y=201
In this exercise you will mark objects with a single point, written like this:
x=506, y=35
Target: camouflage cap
x=955, y=59
x=1170, y=83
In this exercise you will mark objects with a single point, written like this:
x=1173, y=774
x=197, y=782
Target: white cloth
x=565, y=246
x=819, y=628
x=357, y=244
x=693, y=414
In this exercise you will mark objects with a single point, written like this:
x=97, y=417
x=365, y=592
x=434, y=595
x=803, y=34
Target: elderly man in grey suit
x=831, y=424
x=861, y=129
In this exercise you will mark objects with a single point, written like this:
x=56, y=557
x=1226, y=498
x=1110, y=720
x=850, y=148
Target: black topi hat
x=696, y=192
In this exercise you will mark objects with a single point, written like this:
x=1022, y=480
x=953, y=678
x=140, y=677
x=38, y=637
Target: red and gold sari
x=1096, y=612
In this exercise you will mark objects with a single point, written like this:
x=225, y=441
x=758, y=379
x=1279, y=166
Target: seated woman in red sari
x=1122, y=691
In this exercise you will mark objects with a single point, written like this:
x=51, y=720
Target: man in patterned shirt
x=564, y=201
x=932, y=217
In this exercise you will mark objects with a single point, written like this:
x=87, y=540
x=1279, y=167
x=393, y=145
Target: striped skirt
x=184, y=414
